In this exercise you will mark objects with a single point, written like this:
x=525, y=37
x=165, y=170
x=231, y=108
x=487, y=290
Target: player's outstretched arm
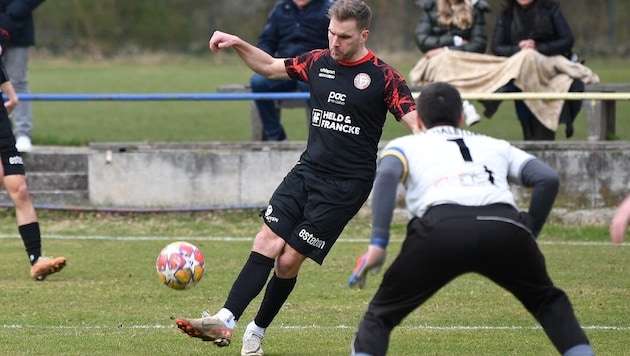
x=545, y=184
x=619, y=222
x=388, y=175
x=256, y=59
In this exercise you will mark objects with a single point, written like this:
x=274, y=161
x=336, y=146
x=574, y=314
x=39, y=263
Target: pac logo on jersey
x=362, y=81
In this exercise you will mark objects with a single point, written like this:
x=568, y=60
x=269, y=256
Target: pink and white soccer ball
x=180, y=265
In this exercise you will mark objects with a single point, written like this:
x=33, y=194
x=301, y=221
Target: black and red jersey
x=350, y=103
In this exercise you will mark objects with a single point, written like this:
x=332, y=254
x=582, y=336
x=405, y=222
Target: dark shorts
x=309, y=212
x=12, y=161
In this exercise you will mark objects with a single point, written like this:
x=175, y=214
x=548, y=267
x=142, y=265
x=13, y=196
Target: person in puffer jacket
x=454, y=24
x=458, y=25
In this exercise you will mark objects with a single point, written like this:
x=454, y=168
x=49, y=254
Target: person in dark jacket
x=453, y=24
x=16, y=17
x=538, y=25
x=293, y=27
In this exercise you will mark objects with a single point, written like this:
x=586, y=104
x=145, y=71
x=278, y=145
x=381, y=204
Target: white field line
x=289, y=327
x=317, y=327
x=236, y=239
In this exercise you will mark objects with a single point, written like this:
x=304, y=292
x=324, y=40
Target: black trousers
x=534, y=130
x=451, y=240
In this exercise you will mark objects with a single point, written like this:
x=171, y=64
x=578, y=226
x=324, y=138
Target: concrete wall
x=594, y=175
x=179, y=175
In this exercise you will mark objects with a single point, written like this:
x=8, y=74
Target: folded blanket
x=483, y=73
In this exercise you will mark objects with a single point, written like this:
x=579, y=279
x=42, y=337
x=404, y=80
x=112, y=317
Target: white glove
x=371, y=261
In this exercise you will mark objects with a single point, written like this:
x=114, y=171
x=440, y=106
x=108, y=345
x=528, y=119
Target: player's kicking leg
x=46, y=266
x=207, y=328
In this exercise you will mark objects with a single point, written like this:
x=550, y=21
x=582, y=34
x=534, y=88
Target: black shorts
x=12, y=163
x=309, y=212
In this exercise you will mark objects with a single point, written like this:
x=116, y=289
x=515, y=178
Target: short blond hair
x=352, y=9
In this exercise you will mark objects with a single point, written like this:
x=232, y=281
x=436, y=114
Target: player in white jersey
x=463, y=219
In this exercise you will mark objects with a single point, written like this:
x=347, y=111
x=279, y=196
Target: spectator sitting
x=293, y=27
x=453, y=24
x=541, y=26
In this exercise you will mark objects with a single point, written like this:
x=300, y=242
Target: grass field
x=108, y=300
x=79, y=123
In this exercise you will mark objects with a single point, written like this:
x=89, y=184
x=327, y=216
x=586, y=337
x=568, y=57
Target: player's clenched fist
x=220, y=40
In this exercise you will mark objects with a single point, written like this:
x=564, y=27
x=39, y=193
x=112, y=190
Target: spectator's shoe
x=490, y=107
x=470, y=113
x=207, y=328
x=46, y=266
x=251, y=344
x=23, y=144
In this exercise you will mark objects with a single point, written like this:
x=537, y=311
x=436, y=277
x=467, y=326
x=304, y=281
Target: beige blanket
x=531, y=71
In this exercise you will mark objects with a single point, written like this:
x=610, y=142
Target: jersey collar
x=365, y=58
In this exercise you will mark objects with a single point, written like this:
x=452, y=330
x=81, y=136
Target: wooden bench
x=601, y=114
x=257, y=133
x=599, y=102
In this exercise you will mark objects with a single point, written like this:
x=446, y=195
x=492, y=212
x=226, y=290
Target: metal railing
x=302, y=96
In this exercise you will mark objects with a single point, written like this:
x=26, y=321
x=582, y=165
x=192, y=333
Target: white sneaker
x=472, y=117
x=23, y=144
x=252, y=343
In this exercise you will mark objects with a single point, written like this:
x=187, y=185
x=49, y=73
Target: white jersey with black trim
x=448, y=165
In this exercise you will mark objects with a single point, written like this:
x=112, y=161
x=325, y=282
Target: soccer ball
x=180, y=265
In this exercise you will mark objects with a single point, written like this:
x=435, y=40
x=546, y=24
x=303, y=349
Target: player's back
x=447, y=165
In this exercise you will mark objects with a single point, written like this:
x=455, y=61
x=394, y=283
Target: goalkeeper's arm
x=545, y=183
x=389, y=173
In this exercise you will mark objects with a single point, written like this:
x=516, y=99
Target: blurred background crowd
x=122, y=27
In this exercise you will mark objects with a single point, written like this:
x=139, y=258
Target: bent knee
x=17, y=188
x=268, y=243
x=288, y=263
x=259, y=83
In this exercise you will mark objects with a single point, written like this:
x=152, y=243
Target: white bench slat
x=543, y=96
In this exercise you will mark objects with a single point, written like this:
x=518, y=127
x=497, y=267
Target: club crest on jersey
x=268, y=217
x=362, y=81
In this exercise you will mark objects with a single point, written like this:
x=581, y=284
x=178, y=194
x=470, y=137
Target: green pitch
x=109, y=301
x=80, y=123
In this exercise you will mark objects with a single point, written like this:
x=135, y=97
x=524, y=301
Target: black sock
x=277, y=292
x=249, y=283
x=32, y=240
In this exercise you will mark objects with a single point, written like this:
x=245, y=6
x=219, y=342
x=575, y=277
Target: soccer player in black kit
x=351, y=92
x=12, y=177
